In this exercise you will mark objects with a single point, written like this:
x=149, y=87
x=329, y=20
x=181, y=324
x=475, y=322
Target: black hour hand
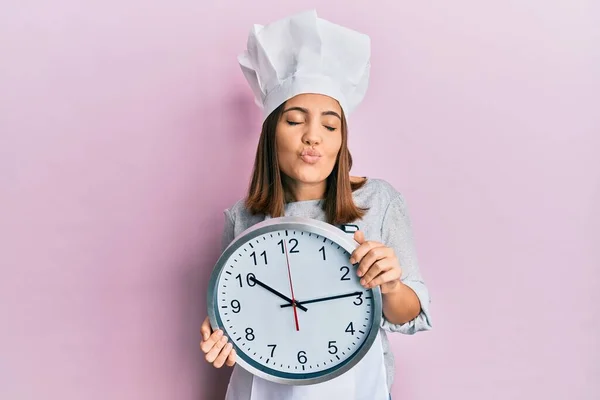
x=275, y=292
x=339, y=296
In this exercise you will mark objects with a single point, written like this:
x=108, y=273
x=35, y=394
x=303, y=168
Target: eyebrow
x=305, y=111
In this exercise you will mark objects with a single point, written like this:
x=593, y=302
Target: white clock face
x=253, y=296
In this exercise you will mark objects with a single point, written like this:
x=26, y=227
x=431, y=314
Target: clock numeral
x=263, y=254
x=345, y=277
x=236, y=306
x=249, y=279
x=302, y=357
x=350, y=328
x=333, y=347
x=250, y=334
x=322, y=250
x=359, y=298
x=292, y=249
x=273, y=349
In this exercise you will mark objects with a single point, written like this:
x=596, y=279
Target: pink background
x=126, y=128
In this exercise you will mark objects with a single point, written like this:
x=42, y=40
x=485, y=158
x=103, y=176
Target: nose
x=311, y=136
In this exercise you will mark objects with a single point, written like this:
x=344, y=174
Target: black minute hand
x=275, y=292
x=339, y=296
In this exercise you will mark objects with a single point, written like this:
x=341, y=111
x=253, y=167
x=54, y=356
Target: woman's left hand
x=378, y=264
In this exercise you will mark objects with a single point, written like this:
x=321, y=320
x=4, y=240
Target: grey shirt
x=386, y=221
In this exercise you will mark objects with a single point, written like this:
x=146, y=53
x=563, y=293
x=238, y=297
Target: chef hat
x=306, y=54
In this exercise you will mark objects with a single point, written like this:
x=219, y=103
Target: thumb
x=359, y=236
x=205, y=329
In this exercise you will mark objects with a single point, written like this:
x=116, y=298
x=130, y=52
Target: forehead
x=314, y=103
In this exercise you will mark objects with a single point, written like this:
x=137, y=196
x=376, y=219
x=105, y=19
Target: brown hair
x=267, y=193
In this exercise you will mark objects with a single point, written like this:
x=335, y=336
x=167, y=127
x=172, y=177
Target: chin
x=310, y=177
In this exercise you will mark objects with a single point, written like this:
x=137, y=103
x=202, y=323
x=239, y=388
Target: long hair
x=267, y=193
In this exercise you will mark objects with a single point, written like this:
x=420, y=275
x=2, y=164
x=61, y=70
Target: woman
x=307, y=75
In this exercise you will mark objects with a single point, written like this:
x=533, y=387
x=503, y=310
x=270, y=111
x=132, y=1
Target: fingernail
x=224, y=339
x=362, y=281
x=352, y=260
x=219, y=332
x=359, y=272
x=229, y=346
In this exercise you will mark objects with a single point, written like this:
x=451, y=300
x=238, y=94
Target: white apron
x=365, y=381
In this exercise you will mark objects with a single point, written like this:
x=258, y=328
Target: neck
x=300, y=191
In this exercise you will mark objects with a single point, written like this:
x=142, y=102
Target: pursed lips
x=310, y=156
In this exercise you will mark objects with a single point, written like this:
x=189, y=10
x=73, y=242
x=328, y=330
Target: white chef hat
x=306, y=54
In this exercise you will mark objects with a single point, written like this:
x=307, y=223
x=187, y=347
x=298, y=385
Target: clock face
x=254, y=287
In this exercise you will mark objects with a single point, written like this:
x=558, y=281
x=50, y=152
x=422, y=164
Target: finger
x=359, y=236
x=205, y=329
x=212, y=355
x=223, y=355
x=232, y=358
x=362, y=250
x=375, y=254
x=377, y=269
x=386, y=277
x=213, y=339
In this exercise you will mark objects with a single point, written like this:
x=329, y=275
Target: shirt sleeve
x=228, y=230
x=397, y=234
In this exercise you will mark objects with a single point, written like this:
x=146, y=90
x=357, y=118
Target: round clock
x=286, y=295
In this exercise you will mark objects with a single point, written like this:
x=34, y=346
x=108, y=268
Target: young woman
x=316, y=73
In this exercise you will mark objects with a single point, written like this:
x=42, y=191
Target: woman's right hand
x=215, y=347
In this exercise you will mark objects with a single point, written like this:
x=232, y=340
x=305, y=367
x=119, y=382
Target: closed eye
x=329, y=128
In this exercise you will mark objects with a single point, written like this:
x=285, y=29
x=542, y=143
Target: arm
x=401, y=305
x=405, y=308
x=393, y=266
x=214, y=344
x=228, y=231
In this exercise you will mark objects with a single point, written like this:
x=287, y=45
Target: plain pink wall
x=126, y=128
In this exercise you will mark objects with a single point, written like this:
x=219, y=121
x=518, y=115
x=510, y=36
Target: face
x=309, y=138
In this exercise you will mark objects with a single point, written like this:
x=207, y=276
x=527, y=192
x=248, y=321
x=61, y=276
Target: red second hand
x=291, y=286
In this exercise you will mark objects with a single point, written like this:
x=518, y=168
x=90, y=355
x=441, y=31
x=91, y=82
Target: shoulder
x=237, y=210
x=380, y=191
x=240, y=216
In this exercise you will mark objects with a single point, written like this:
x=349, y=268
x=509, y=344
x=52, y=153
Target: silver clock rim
x=308, y=225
